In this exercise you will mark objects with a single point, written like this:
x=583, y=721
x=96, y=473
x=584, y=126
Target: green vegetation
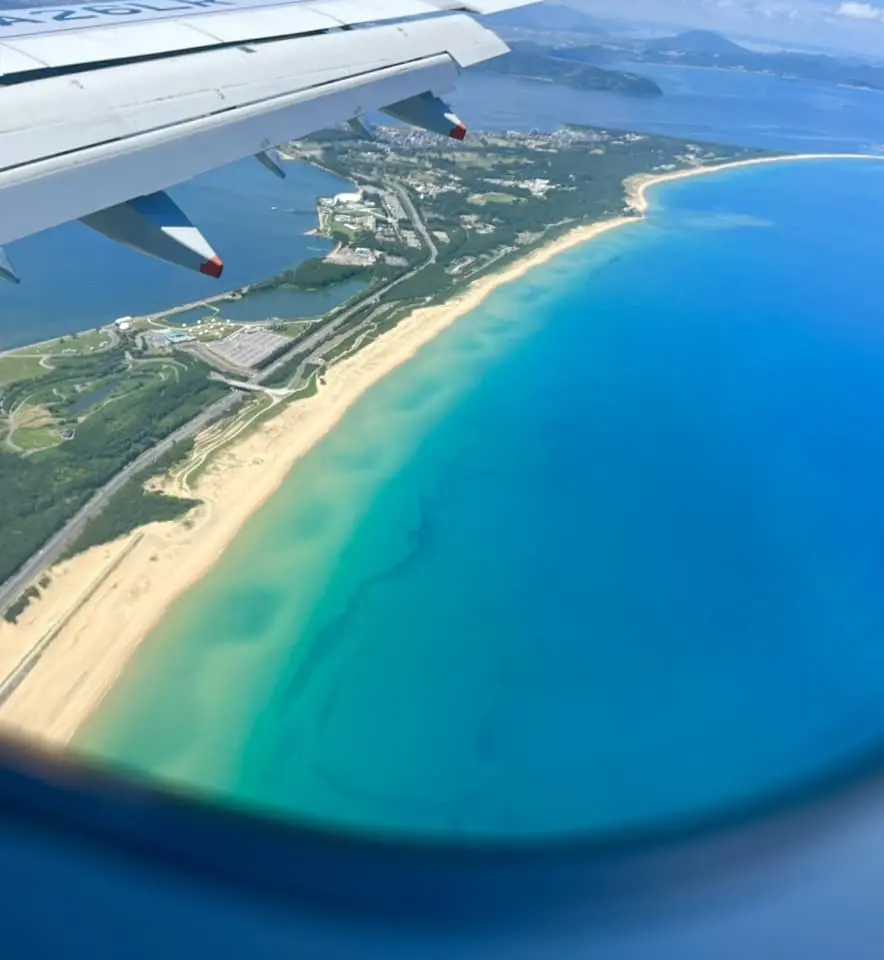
x=292, y=328
x=486, y=202
x=37, y=438
x=343, y=347
x=56, y=388
x=133, y=506
x=14, y=368
x=309, y=389
x=18, y=607
x=281, y=376
x=79, y=343
x=312, y=275
x=39, y=493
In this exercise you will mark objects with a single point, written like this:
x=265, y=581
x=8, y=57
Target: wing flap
x=94, y=116
x=96, y=36
x=44, y=194
x=112, y=134
x=102, y=46
x=63, y=114
x=110, y=41
x=17, y=61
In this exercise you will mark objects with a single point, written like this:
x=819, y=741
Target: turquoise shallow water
x=608, y=551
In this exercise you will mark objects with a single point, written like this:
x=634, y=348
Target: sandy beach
x=77, y=638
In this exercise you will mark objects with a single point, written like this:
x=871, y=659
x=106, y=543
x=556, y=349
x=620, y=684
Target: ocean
x=718, y=106
x=73, y=279
x=605, y=555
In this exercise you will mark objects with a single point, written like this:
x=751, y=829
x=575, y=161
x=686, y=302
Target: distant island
x=564, y=34
x=534, y=61
x=701, y=48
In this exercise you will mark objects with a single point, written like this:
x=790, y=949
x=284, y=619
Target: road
x=327, y=331
x=53, y=549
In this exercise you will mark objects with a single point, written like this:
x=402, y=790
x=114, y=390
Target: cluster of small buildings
x=533, y=139
x=469, y=221
x=164, y=339
x=425, y=185
x=351, y=211
x=537, y=186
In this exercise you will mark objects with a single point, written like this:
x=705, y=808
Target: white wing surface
x=105, y=106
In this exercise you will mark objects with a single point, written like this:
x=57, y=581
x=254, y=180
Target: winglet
x=6, y=269
x=428, y=112
x=360, y=129
x=156, y=225
x=270, y=164
x=212, y=268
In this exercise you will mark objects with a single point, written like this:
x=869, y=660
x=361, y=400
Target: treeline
x=18, y=606
x=38, y=494
x=285, y=371
x=314, y=274
x=132, y=506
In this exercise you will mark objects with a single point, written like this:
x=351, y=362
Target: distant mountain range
x=534, y=61
x=695, y=42
x=701, y=48
x=598, y=42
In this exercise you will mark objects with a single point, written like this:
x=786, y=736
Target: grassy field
x=213, y=330
x=292, y=327
x=36, y=438
x=76, y=343
x=483, y=198
x=14, y=368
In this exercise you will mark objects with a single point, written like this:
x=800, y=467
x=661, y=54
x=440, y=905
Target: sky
x=837, y=24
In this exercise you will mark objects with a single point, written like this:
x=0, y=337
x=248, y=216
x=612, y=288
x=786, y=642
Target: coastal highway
x=326, y=332
x=50, y=552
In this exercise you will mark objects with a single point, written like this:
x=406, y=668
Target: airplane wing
x=105, y=106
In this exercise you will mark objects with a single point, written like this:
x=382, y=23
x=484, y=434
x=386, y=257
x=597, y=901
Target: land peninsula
x=132, y=455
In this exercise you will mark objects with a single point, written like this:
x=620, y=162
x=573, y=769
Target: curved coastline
x=104, y=603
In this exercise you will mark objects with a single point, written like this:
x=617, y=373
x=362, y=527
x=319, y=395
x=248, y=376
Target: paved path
x=53, y=549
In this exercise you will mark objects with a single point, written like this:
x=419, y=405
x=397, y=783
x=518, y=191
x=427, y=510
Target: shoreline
x=101, y=605
x=638, y=186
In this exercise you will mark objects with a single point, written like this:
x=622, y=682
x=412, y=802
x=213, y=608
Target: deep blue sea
x=721, y=106
x=607, y=553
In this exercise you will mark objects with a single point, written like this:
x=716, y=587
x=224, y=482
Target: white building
x=342, y=199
